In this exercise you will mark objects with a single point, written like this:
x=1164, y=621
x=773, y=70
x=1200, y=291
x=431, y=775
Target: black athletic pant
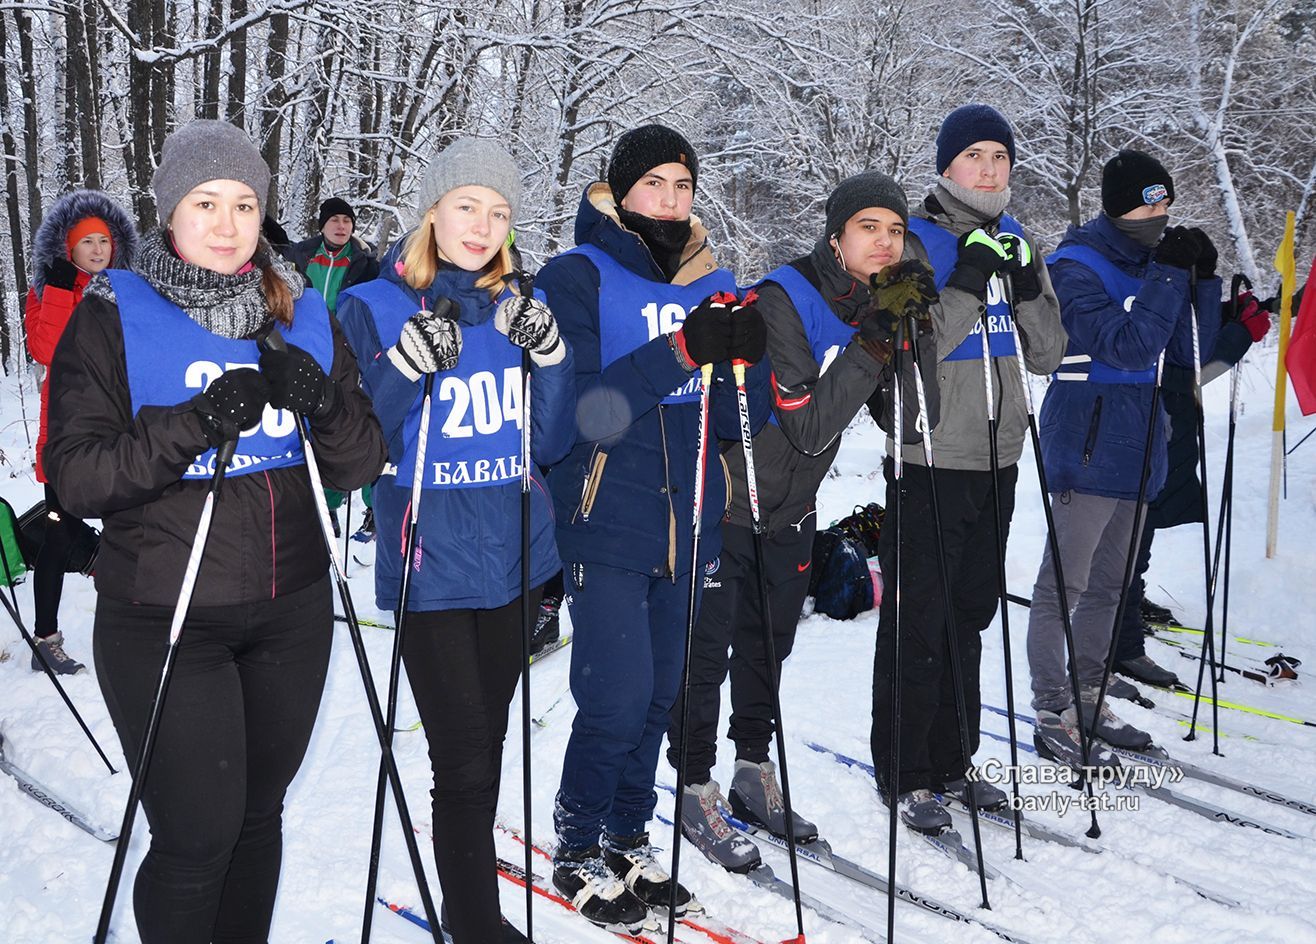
x=52, y=561
x=930, y=751
x=237, y=717
x=1132, y=641
x=464, y=666
x=730, y=618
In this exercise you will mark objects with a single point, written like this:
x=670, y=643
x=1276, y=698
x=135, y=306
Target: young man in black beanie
x=1128, y=289
x=962, y=230
x=829, y=344
x=335, y=259
x=635, y=299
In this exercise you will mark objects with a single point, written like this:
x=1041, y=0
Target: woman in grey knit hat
x=446, y=308
x=154, y=372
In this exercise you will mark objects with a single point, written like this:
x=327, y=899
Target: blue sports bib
x=171, y=358
x=1123, y=289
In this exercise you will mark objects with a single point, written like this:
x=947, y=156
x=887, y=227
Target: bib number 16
x=664, y=320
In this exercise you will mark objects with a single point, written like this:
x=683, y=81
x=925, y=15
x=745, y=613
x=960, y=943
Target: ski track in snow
x=52, y=874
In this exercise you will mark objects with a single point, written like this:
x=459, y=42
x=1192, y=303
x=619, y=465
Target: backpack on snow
x=843, y=583
x=13, y=557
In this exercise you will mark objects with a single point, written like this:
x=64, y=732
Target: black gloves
x=298, y=383
x=707, y=335
x=980, y=258
x=233, y=402
x=1019, y=266
x=749, y=333
x=62, y=274
x=1207, y=255
x=1179, y=247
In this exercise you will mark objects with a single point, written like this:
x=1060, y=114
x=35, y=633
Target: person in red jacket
x=84, y=233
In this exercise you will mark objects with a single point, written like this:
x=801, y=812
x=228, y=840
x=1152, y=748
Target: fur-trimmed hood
x=48, y=243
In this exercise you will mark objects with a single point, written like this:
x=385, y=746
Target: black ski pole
x=1135, y=536
x=697, y=500
x=1226, y=519
x=994, y=456
x=347, y=533
x=893, y=773
x=769, y=643
x=527, y=291
x=1208, y=627
x=223, y=456
x=394, y=681
x=36, y=653
x=1057, y=566
x=949, y=627
x=273, y=340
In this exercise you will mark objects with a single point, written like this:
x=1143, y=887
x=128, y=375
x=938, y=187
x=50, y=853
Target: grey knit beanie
x=868, y=189
x=205, y=150
x=470, y=161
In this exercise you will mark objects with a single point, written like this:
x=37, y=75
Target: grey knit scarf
x=231, y=306
x=984, y=203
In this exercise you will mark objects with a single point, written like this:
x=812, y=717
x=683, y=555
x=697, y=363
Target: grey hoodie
x=959, y=440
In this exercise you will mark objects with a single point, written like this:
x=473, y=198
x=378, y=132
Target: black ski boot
x=595, y=892
x=510, y=934
x=631, y=859
x=547, y=629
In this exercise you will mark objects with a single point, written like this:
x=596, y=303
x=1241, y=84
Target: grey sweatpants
x=1092, y=532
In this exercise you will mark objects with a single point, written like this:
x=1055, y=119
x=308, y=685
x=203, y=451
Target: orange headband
x=84, y=228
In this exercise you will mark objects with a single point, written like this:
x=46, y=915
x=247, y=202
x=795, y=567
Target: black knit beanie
x=1132, y=179
x=334, y=206
x=869, y=189
x=641, y=149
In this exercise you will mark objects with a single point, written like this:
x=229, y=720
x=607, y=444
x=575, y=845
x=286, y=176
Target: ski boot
x=756, y=798
x=922, y=812
x=1155, y=613
x=366, y=533
x=510, y=935
x=1143, y=669
x=547, y=629
x=631, y=859
x=1109, y=728
x=1118, y=688
x=702, y=823
x=595, y=892
x=989, y=797
x=51, y=649
x=1056, y=738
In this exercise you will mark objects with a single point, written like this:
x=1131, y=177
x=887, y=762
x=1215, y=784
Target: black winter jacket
x=106, y=463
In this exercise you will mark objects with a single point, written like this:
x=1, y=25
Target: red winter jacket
x=45, y=318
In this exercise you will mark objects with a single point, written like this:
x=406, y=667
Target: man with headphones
x=976, y=249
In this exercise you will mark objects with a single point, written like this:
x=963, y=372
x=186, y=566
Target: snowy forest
x=782, y=99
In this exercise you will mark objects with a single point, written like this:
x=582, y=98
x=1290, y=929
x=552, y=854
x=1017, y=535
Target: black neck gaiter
x=666, y=239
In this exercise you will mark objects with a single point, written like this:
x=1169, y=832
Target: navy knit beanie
x=641, y=149
x=970, y=124
x=1132, y=179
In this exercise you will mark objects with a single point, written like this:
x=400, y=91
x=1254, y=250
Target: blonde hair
x=420, y=260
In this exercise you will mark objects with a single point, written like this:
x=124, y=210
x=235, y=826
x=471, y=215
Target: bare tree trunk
x=79, y=114
x=271, y=115
x=211, y=64
x=67, y=107
x=141, y=95
x=11, y=198
x=237, y=69
x=89, y=96
x=28, y=86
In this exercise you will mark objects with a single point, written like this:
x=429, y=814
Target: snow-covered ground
x=52, y=875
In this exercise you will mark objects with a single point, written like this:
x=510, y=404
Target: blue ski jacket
x=469, y=542
x=1120, y=310
x=624, y=494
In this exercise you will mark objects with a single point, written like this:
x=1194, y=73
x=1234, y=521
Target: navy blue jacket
x=1094, y=434
x=642, y=452
x=470, y=538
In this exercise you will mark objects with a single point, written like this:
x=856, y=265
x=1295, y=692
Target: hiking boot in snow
x=756, y=798
x=988, y=796
x=595, y=892
x=921, y=811
x=703, y=825
x=52, y=650
x=631, y=859
x=1118, y=688
x=510, y=935
x=1110, y=728
x=1155, y=613
x=1144, y=670
x=546, y=624
x=1056, y=738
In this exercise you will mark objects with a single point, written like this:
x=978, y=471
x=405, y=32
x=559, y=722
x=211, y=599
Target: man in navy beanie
x=975, y=250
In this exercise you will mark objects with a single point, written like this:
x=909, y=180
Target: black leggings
x=463, y=666
x=237, y=717
x=52, y=561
